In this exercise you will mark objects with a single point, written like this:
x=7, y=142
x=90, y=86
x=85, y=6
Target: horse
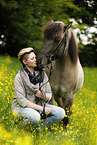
x=61, y=50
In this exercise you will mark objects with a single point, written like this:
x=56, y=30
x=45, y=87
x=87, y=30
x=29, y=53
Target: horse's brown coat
x=67, y=75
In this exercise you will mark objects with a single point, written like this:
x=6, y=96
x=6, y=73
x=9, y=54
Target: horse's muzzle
x=39, y=65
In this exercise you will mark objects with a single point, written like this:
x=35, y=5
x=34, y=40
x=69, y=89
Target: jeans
x=29, y=116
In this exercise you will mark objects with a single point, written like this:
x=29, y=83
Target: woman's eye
x=33, y=58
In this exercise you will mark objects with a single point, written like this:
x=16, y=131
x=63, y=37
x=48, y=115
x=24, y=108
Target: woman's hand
x=47, y=110
x=39, y=94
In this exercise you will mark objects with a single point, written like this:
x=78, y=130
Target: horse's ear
x=51, y=20
x=66, y=27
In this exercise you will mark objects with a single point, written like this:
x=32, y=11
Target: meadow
x=83, y=126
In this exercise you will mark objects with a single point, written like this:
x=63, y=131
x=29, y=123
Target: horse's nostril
x=39, y=61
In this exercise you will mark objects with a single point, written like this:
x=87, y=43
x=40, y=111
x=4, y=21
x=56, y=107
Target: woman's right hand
x=47, y=110
x=39, y=94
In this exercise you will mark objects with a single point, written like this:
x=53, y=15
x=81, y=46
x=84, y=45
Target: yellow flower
x=15, y=113
x=16, y=120
x=11, y=140
x=8, y=135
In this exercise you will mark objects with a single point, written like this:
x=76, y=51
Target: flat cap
x=24, y=51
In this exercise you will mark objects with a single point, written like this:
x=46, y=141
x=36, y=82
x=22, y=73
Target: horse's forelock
x=51, y=29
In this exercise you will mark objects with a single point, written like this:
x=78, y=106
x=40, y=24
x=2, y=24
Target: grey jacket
x=25, y=91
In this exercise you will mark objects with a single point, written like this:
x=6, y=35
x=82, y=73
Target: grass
x=83, y=127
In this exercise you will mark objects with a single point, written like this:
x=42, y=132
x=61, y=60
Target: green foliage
x=22, y=27
x=22, y=21
x=83, y=126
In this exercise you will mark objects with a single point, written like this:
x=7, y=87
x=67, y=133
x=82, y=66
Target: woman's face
x=31, y=60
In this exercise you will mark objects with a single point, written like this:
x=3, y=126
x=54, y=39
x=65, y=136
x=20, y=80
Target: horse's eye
x=57, y=39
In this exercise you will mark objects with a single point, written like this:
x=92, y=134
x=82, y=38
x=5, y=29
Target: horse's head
x=54, y=35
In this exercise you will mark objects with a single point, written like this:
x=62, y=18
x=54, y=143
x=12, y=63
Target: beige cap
x=24, y=51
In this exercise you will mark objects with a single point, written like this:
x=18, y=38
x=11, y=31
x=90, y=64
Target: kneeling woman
x=28, y=103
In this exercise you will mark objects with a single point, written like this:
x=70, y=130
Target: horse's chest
x=62, y=83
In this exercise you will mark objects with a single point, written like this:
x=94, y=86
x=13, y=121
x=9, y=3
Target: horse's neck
x=64, y=62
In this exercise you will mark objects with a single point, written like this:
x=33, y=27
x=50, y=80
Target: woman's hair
x=24, y=53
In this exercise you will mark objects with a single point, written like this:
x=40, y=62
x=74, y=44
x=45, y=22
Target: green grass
x=83, y=127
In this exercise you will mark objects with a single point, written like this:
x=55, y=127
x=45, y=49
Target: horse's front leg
x=59, y=101
x=67, y=105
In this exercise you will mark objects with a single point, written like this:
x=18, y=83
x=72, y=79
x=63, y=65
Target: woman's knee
x=27, y=114
x=63, y=113
x=60, y=113
x=57, y=111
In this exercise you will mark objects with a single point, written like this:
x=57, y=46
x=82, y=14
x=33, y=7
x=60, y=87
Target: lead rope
x=43, y=114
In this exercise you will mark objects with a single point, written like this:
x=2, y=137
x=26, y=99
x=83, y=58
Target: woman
x=31, y=91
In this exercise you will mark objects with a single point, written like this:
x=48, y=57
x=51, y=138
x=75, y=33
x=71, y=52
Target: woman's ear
x=24, y=61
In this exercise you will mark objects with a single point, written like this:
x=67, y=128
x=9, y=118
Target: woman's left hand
x=47, y=110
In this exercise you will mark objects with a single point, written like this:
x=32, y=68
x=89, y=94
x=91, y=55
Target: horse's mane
x=73, y=48
x=51, y=30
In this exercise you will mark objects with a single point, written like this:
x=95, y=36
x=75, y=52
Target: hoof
x=65, y=121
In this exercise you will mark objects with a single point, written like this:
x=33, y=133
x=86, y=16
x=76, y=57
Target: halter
x=54, y=54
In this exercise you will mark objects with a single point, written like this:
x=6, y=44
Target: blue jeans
x=29, y=116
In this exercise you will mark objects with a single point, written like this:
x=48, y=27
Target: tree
x=22, y=21
x=88, y=16
x=17, y=25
